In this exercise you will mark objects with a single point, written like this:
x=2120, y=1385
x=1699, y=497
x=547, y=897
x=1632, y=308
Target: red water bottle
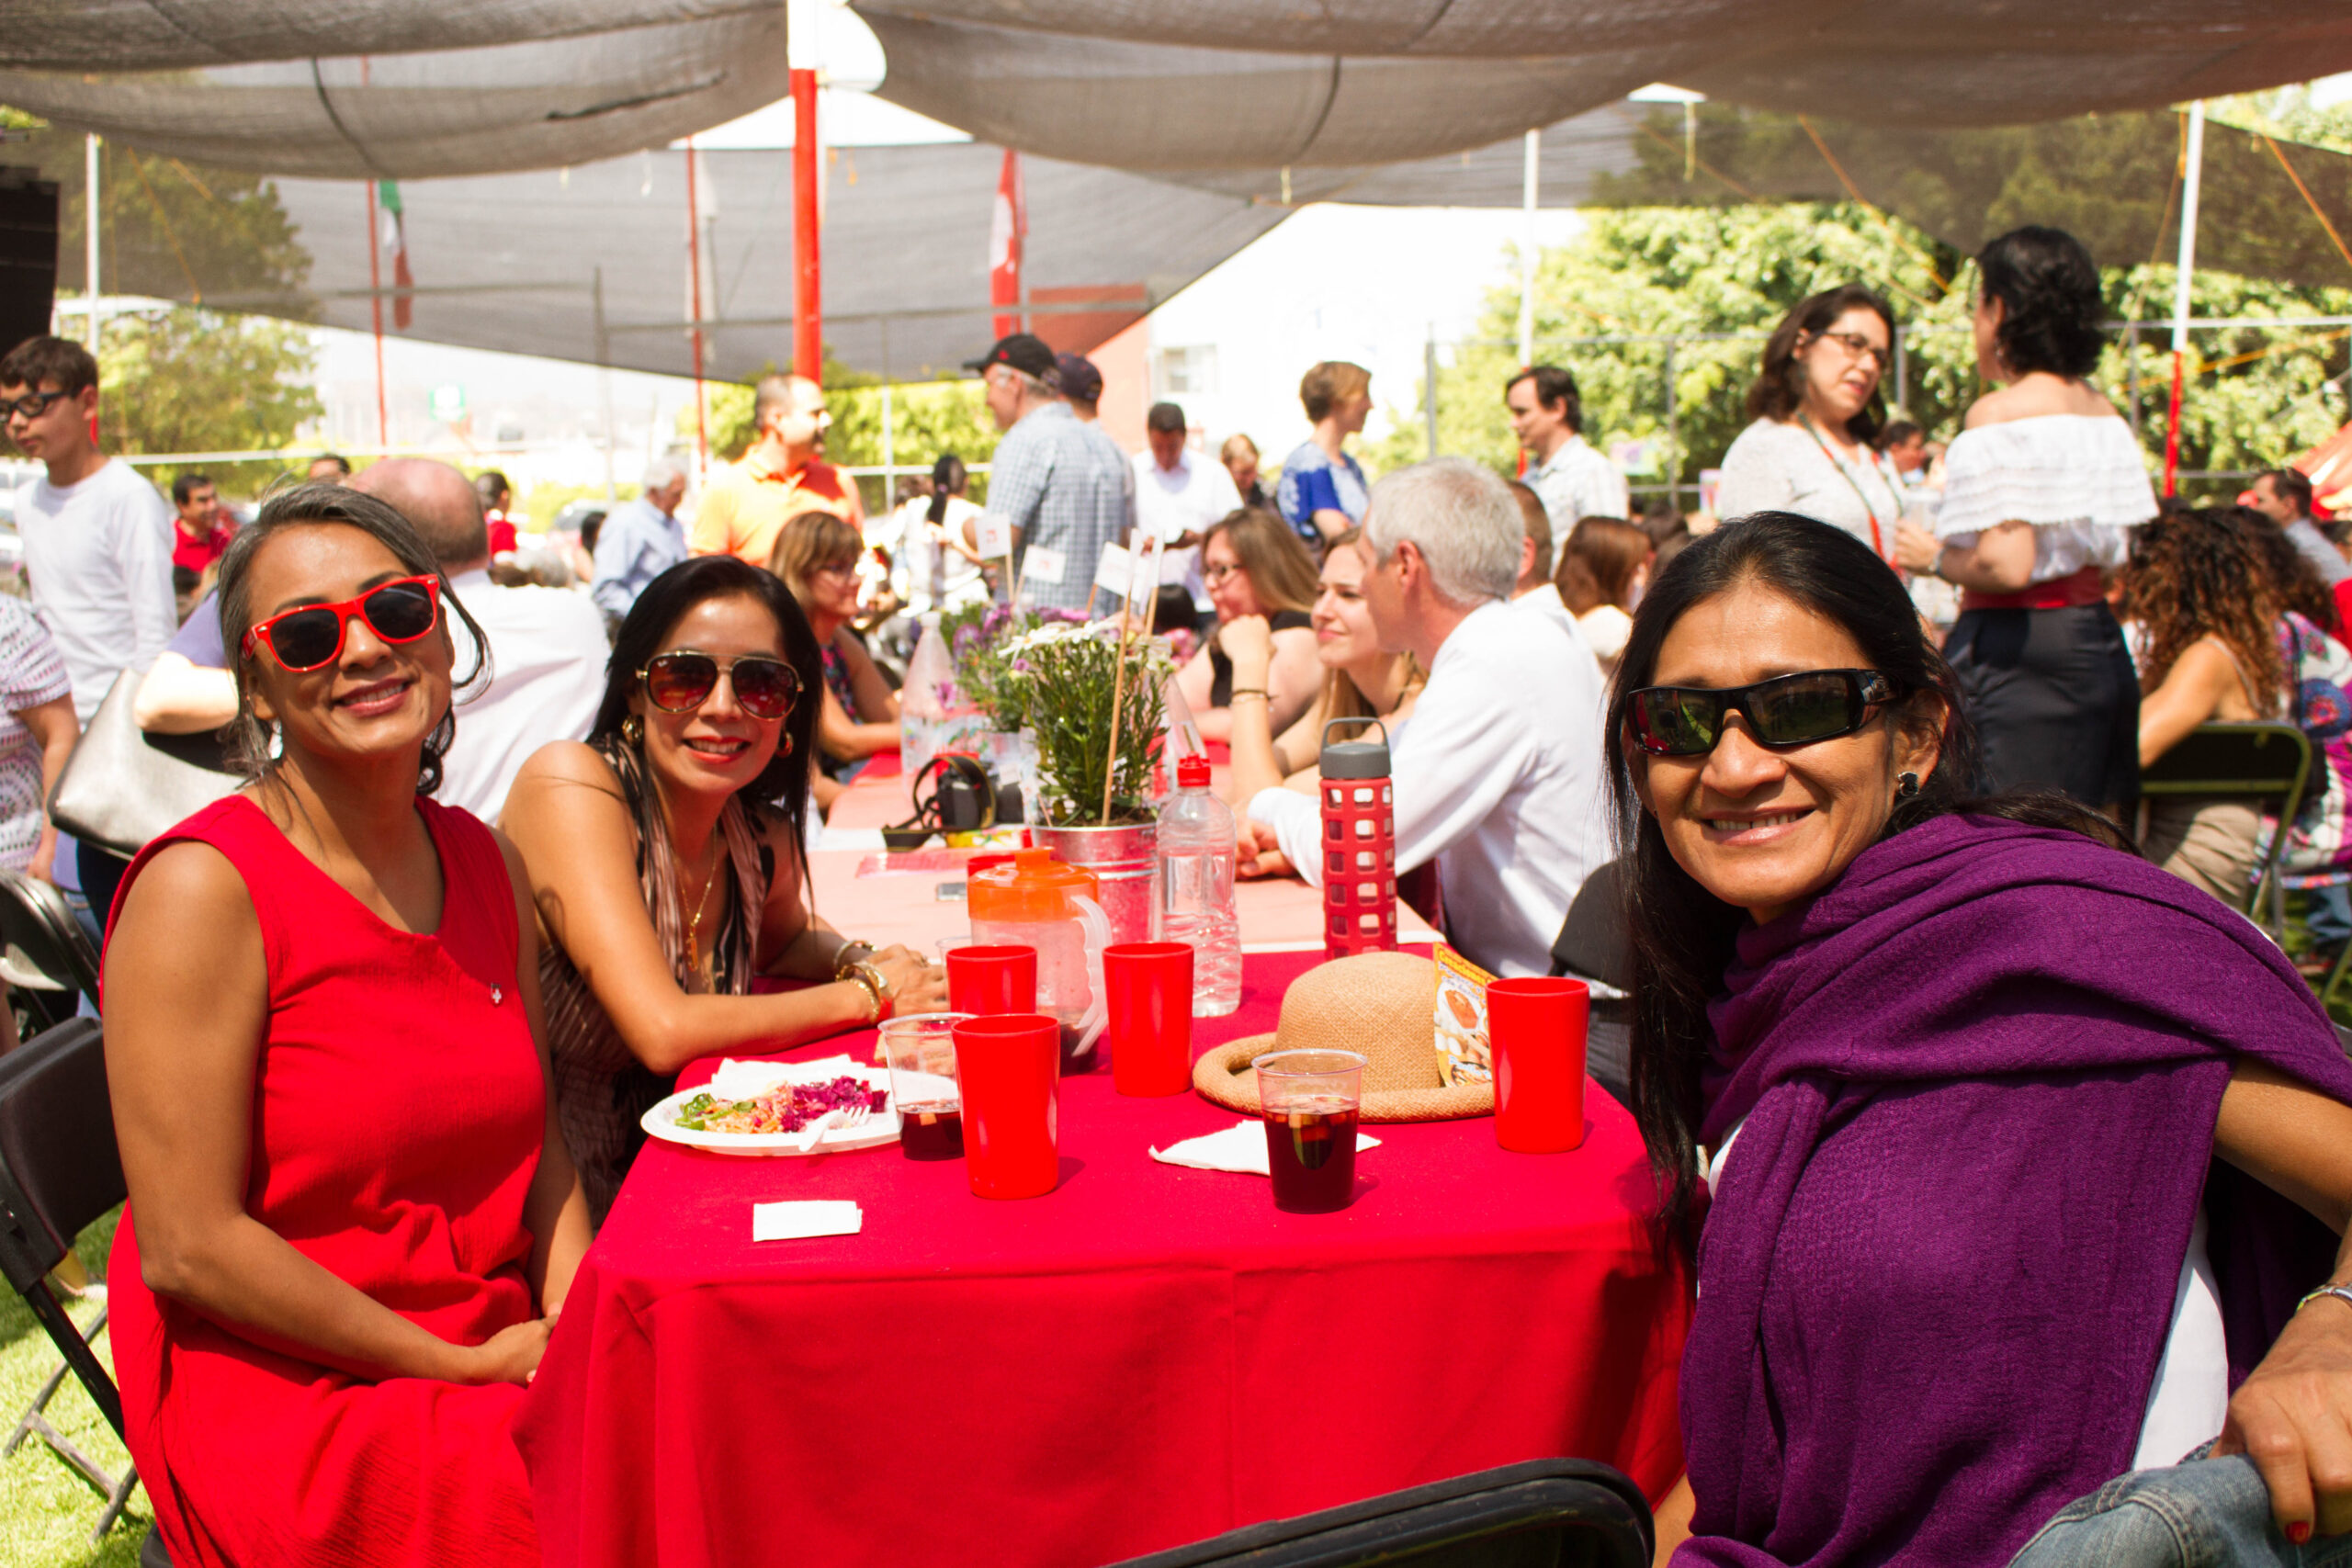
x=1359, y=844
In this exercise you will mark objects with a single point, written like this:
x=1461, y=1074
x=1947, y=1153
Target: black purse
x=123, y=787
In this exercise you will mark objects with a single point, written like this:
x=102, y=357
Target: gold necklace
x=693, y=924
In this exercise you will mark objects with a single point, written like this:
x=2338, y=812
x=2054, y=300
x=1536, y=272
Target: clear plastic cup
x=1311, y=1101
x=924, y=1088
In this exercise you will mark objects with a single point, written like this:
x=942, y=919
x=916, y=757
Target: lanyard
x=1878, y=542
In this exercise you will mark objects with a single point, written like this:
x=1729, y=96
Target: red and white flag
x=1007, y=230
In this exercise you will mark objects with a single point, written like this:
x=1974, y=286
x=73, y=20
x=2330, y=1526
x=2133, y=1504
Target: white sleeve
x=1754, y=480
x=1297, y=822
x=1223, y=496
x=144, y=553
x=1453, y=765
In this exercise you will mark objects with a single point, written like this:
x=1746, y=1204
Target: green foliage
x=187, y=381
x=170, y=229
x=1065, y=680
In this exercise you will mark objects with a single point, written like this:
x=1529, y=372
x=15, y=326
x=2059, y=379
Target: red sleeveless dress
x=399, y=1111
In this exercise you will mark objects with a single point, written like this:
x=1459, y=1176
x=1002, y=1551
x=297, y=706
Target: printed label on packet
x=1462, y=1053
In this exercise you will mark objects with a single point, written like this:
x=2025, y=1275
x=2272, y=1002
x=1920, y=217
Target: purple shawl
x=1978, y=1078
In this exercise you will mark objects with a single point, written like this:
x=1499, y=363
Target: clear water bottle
x=1195, y=888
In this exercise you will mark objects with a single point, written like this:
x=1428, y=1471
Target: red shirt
x=196, y=551
x=501, y=533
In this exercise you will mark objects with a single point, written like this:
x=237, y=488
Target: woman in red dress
x=355, y=1220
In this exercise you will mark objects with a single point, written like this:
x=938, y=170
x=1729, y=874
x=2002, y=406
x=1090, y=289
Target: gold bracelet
x=1240, y=691
x=873, y=998
x=877, y=984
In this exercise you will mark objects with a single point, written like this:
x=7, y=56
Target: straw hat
x=1377, y=1003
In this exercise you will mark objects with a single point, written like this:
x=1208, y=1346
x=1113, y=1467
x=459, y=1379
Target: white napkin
x=805, y=1217
x=1240, y=1149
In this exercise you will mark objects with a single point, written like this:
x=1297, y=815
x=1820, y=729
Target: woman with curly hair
x=2204, y=594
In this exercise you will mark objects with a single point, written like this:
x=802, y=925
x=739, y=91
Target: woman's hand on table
x=1257, y=852
x=511, y=1355
x=1249, y=641
x=916, y=985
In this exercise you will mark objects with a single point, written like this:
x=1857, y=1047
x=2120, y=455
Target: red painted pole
x=808, y=324
x=694, y=296
x=375, y=313
x=2172, y=432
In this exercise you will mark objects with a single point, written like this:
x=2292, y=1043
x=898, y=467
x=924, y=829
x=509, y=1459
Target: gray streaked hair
x=660, y=472
x=1462, y=519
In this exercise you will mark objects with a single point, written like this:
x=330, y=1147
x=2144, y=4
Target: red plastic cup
x=1151, y=1029
x=988, y=981
x=1537, y=1030
x=1010, y=1065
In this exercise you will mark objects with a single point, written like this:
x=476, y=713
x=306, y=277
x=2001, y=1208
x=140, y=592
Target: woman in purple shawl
x=2022, y=1152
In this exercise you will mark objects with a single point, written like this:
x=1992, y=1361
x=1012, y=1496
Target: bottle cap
x=1034, y=886
x=1193, y=772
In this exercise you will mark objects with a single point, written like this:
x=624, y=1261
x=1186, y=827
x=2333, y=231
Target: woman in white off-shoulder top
x=2041, y=491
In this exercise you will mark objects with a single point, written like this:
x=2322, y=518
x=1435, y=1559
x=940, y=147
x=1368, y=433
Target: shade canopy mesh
x=1219, y=86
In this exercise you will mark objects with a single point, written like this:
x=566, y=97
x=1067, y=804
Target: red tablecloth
x=1147, y=1357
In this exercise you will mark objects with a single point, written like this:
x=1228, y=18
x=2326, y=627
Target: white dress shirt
x=547, y=676
x=98, y=560
x=1499, y=778
x=1172, y=502
x=1577, y=481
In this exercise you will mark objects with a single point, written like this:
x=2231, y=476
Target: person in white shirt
x=1499, y=775
x=1535, y=591
x=933, y=567
x=1178, y=493
x=1574, y=480
x=640, y=540
x=546, y=664
x=97, y=542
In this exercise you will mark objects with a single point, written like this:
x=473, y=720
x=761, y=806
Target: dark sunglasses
x=312, y=637
x=1790, y=710
x=682, y=680
x=32, y=405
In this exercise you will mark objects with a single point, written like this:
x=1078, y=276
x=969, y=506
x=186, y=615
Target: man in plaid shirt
x=1063, y=494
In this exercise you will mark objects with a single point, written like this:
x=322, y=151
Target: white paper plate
x=879, y=1128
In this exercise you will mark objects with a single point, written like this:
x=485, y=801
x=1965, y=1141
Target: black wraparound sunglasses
x=1789, y=710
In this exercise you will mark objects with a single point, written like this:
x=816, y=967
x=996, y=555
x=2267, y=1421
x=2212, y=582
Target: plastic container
x=1193, y=902
x=1037, y=902
x=1358, y=811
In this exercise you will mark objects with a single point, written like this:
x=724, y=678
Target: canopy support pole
x=90, y=205
x=1528, y=184
x=375, y=313
x=1673, y=433
x=694, y=331
x=889, y=444
x=2192, y=172
x=1428, y=386
x=604, y=381
x=808, y=330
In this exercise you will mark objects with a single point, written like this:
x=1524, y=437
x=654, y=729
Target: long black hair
x=1681, y=936
x=947, y=478
x=781, y=789
x=312, y=505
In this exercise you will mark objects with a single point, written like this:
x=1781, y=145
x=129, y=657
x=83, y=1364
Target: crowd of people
x=2014, y=1144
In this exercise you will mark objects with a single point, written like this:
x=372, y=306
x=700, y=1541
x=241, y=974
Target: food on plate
x=787, y=1108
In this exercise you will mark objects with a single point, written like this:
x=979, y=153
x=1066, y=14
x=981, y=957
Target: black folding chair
x=2267, y=764
x=1545, y=1513
x=59, y=1172
x=45, y=956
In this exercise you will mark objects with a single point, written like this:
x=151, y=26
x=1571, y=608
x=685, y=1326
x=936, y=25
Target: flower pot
x=1124, y=857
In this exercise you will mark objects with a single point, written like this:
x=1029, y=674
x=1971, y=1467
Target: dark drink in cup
x=1311, y=1154
x=931, y=1131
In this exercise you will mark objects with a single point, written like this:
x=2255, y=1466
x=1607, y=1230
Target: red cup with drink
x=1149, y=993
x=920, y=1050
x=1536, y=1029
x=1008, y=1069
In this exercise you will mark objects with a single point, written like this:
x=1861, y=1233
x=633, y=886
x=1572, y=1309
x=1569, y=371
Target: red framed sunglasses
x=310, y=638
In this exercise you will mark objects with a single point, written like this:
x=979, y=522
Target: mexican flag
x=394, y=238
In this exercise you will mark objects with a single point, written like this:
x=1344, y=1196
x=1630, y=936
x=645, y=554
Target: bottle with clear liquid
x=1194, y=895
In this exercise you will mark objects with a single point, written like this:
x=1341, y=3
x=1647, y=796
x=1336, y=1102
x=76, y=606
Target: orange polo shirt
x=746, y=507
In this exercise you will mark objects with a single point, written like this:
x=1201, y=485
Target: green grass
x=46, y=1507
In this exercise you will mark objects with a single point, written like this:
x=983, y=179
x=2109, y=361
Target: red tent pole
x=375, y=314
x=808, y=330
x=694, y=296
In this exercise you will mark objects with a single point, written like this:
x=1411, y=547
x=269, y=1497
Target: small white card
x=1115, y=572
x=1043, y=565
x=991, y=536
x=1240, y=1149
x=801, y=1218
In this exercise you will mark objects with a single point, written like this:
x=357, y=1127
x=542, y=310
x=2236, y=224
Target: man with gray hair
x=1499, y=773
x=640, y=541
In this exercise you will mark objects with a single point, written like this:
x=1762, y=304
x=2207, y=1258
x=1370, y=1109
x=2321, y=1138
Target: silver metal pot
x=1124, y=859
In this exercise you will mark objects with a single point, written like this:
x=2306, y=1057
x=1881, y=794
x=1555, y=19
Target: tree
x=188, y=381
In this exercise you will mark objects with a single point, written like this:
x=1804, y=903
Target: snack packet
x=1462, y=1053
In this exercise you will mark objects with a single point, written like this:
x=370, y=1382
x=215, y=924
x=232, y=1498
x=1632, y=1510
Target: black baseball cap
x=1023, y=352
x=1080, y=379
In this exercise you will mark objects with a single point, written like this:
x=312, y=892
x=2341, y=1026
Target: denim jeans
x=2329, y=918
x=2202, y=1513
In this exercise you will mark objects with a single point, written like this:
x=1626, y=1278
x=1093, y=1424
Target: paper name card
x=1115, y=572
x=991, y=536
x=799, y=1219
x=1240, y=1149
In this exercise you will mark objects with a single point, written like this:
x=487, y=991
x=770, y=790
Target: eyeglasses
x=683, y=680
x=312, y=637
x=838, y=568
x=1790, y=710
x=32, y=405
x=1219, y=571
x=1857, y=346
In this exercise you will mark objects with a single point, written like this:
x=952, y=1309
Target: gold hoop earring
x=633, y=730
